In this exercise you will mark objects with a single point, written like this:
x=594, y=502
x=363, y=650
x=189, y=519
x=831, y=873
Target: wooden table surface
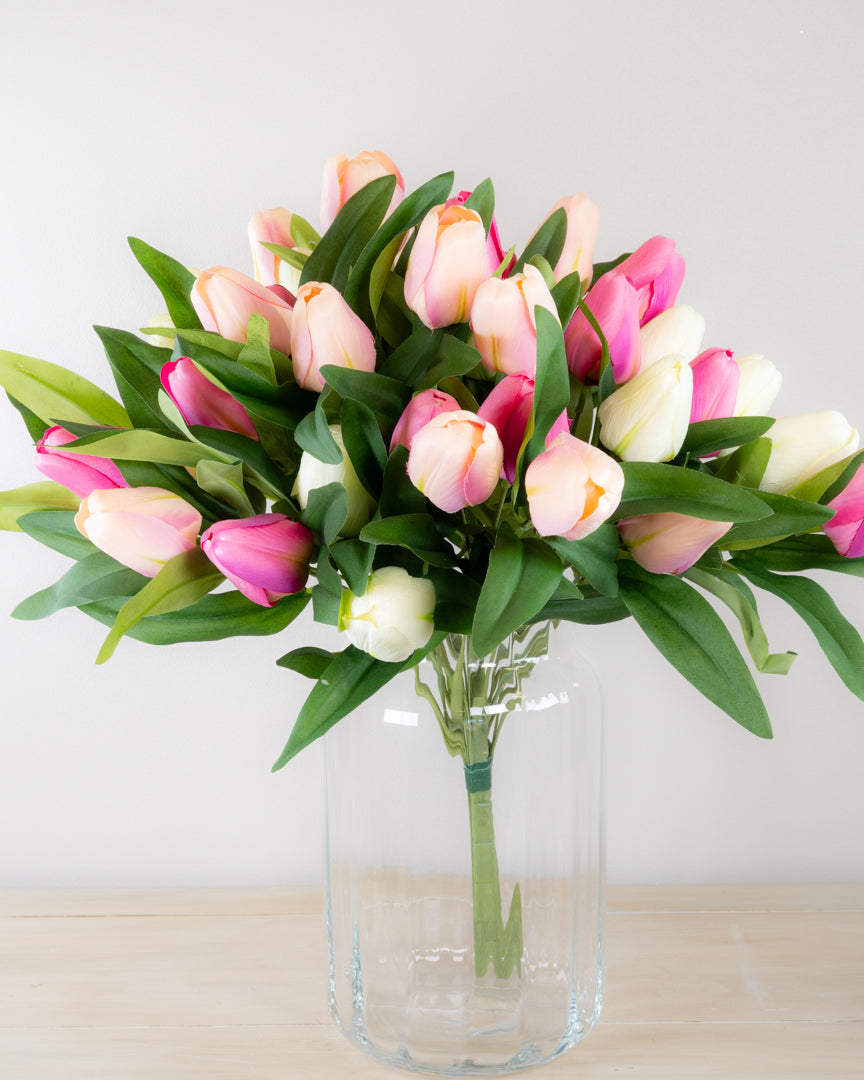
x=703, y=982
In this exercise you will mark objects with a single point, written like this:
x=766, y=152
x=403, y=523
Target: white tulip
x=393, y=617
x=316, y=474
x=647, y=418
x=676, y=332
x=804, y=445
x=758, y=385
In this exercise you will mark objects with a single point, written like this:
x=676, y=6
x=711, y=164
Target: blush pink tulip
x=715, y=385
x=494, y=249
x=140, y=527
x=266, y=557
x=503, y=321
x=846, y=529
x=614, y=303
x=202, y=402
x=224, y=299
x=273, y=227
x=508, y=407
x=583, y=223
x=327, y=331
x=418, y=412
x=670, y=543
x=572, y=488
x=656, y=271
x=447, y=263
x=344, y=178
x=80, y=473
x=455, y=460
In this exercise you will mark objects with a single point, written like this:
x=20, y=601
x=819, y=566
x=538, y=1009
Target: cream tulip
x=647, y=418
x=804, y=445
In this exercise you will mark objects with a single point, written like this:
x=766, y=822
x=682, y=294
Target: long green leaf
x=706, y=436
x=652, y=488
x=55, y=394
x=789, y=517
x=95, y=577
x=45, y=495
x=384, y=396
x=136, y=365
x=592, y=610
x=307, y=660
x=56, y=530
x=416, y=532
x=141, y=445
x=548, y=241
x=551, y=387
x=798, y=553
x=171, y=278
x=593, y=557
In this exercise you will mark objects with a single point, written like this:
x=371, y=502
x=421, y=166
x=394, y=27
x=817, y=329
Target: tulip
x=447, y=263
x=326, y=331
x=494, y=249
x=846, y=529
x=419, y=411
x=273, y=227
x=224, y=299
x=313, y=474
x=393, y=617
x=615, y=305
x=583, y=222
x=344, y=178
x=508, y=407
x=572, y=488
x=455, y=460
x=656, y=271
x=202, y=402
x=503, y=321
x=159, y=322
x=804, y=445
x=758, y=385
x=715, y=385
x=81, y=473
x=647, y=418
x=266, y=557
x=676, y=332
x=670, y=543
x=140, y=527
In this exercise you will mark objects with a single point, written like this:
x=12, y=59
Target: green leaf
x=136, y=365
x=326, y=511
x=454, y=358
x=307, y=660
x=603, y=268
x=398, y=494
x=56, y=530
x=416, y=532
x=834, y=489
x=566, y=294
x=95, y=577
x=225, y=481
x=327, y=594
x=303, y=235
x=141, y=445
x=456, y=597
x=789, y=516
x=593, y=557
x=36, y=427
x=592, y=610
x=548, y=241
x=746, y=466
x=551, y=386
x=816, y=488
x=255, y=355
x=45, y=495
x=363, y=444
x=706, y=436
x=384, y=396
x=231, y=445
x=313, y=435
x=798, y=553
x=652, y=488
x=172, y=279
x=691, y=635
x=354, y=560
x=482, y=201
x=55, y=394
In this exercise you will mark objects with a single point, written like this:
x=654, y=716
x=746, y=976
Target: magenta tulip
x=81, y=473
x=846, y=529
x=202, y=402
x=614, y=303
x=583, y=223
x=344, y=178
x=266, y=557
x=656, y=270
x=418, y=412
x=670, y=543
x=327, y=331
x=715, y=385
x=224, y=299
x=503, y=321
x=508, y=407
x=455, y=460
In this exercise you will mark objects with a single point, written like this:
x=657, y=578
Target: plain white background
x=734, y=128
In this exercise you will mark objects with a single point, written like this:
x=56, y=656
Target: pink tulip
x=494, y=249
x=572, y=488
x=846, y=529
x=140, y=527
x=419, y=411
x=502, y=318
x=656, y=270
x=344, y=178
x=327, y=331
x=202, y=402
x=81, y=473
x=455, y=460
x=447, y=263
x=508, y=407
x=272, y=227
x=614, y=303
x=715, y=385
x=670, y=543
x=224, y=299
x=266, y=557
x=583, y=223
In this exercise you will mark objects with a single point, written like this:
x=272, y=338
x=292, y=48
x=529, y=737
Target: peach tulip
x=656, y=271
x=846, y=529
x=344, y=178
x=80, y=473
x=494, y=248
x=273, y=227
x=455, y=460
x=266, y=556
x=508, y=407
x=503, y=321
x=670, y=543
x=419, y=411
x=615, y=305
x=224, y=299
x=326, y=331
x=583, y=223
x=201, y=401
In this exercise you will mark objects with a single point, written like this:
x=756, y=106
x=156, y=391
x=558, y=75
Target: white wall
x=734, y=127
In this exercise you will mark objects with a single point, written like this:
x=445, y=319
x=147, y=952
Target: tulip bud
x=647, y=418
x=273, y=227
x=224, y=299
x=81, y=473
x=455, y=460
x=715, y=385
x=758, y=385
x=447, y=263
x=676, y=332
x=418, y=412
x=804, y=445
x=583, y=222
x=202, y=402
x=393, y=617
x=344, y=178
x=656, y=271
x=266, y=557
x=502, y=318
x=615, y=305
x=572, y=488
x=670, y=543
x=327, y=331
x=508, y=407
x=313, y=474
x=140, y=527
x=846, y=529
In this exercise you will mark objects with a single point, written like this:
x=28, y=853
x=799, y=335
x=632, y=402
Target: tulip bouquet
x=457, y=441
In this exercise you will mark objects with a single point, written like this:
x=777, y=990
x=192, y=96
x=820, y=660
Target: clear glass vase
x=464, y=858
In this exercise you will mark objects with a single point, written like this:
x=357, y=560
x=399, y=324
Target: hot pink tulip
x=508, y=407
x=327, y=331
x=656, y=271
x=846, y=529
x=670, y=543
x=447, y=263
x=344, y=178
x=455, y=460
x=266, y=557
x=494, y=249
x=572, y=488
x=502, y=318
x=202, y=402
x=715, y=385
x=614, y=303
x=224, y=299
x=272, y=227
x=140, y=527
x=583, y=223
x=418, y=412
x=81, y=473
